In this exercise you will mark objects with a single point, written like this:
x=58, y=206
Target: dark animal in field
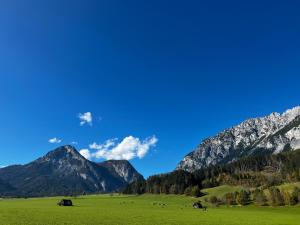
x=197, y=205
x=65, y=202
x=162, y=205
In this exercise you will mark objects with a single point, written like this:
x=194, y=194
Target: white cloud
x=85, y=153
x=130, y=147
x=2, y=166
x=106, y=145
x=145, y=146
x=54, y=140
x=85, y=118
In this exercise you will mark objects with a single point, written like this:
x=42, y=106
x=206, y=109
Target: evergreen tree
x=288, y=198
x=173, y=189
x=214, y=200
x=295, y=196
x=243, y=198
x=196, y=191
x=188, y=191
x=230, y=199
x=259, y=197
x=276, y=197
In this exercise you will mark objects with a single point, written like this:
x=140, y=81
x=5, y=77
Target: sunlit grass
x=146, y=209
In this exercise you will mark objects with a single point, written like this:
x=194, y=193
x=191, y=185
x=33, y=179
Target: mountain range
x=271, y=134
x=64, y=171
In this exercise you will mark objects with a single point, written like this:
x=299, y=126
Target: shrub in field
x=196, y=191
x=288, y=198
x=276, y=197
x=243, y=197
x=188, y=191
x=259, y=197
x=214, y=200
x=229, y=198
x=193, y=191
x=295, y=196
x=296, y=193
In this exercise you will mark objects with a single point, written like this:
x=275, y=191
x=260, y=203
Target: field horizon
x=146, y=209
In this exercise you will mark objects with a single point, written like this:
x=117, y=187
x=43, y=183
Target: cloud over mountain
x=85, y=153
x=130, y=147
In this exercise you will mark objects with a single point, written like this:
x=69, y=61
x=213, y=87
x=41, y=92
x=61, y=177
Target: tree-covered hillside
x=254, y=171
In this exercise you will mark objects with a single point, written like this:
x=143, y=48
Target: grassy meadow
x=139, y=210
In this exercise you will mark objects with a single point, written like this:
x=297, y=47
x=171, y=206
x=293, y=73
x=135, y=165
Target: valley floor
x=139, y=210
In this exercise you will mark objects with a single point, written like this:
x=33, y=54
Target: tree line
x=271, y=196
x=176, y=182
x=253, y=171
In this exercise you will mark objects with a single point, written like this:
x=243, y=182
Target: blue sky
x=177, y=71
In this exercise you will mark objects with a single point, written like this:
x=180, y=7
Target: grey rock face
x=271, y=134
x=123, y=169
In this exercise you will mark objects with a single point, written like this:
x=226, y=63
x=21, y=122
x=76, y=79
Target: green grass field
x=146, y=209
x=220, y=190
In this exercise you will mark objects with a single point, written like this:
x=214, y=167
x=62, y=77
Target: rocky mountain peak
x=290, y=114
x=63, y=153
x=122, y=168
x=270, y=134
x=64, y=171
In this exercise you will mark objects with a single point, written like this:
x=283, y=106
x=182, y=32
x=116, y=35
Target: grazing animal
x=197, y=205
x=65, y=202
